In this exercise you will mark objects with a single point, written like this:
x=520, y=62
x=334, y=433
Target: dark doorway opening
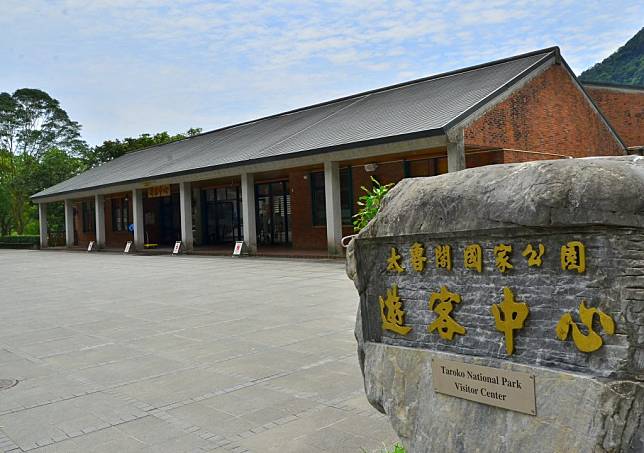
x=273, y=207
x=222, y=218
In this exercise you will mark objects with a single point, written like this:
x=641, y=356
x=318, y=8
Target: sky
x=125, y=67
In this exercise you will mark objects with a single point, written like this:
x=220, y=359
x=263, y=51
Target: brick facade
x=624, y=108
x=549, y=114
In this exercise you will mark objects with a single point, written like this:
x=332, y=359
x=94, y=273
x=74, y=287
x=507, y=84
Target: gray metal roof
x=419, y=108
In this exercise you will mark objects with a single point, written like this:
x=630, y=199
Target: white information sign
x=239, y=246
x=128, y=246
x=90, y=247
x=177, y=248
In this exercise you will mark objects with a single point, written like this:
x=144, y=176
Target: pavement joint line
x=175, y=361
x=7, y=443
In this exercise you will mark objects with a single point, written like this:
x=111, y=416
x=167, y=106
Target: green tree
x=34, y=133
x=625, y=66
x=5, y=211
x=111, y=149
x=31, y=122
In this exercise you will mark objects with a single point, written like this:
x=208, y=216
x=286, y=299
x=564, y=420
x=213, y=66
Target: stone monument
x=502, y=308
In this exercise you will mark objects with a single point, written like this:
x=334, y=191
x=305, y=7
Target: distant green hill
x=626, y=66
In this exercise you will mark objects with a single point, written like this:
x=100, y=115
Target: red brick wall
x=624, y=110
x=549, y=114
x=307, y=236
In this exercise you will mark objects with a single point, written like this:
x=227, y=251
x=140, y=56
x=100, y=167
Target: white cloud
x=121, y=67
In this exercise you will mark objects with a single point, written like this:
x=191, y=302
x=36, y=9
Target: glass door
x=273, y=204
x=222, y=215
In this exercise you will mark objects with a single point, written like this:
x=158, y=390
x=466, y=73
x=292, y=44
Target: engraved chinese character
x=534, y=256
x=509, y=316
x=392, y=314
x=443, y=256
x=418, y=257
x=445, y=324
x=573, y=257
x=590, y=341
x=393, y=262
x=473, y=257
x=502, y=257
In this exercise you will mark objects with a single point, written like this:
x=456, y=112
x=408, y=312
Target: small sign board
x=128, y=247
x=239, y=247
x=493, y=386
x=159, y=191
x=91, y=246
x=177, y=248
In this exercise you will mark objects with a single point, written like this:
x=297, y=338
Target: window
x=120, y=214
x=88, y=216
x=318, y=198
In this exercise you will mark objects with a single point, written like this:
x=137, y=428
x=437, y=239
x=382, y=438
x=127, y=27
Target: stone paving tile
x=156, y=353
x=172, y=388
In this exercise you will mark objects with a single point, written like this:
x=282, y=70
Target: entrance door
x=222, y=215
x=169, y=220
x=273, y=213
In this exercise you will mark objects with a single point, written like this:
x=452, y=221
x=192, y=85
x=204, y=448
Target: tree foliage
x=626, y=66
x=31, y=122
x=111, y=149
x=40, y=146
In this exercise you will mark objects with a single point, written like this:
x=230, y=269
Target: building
x=293, y=179
x=623, y=106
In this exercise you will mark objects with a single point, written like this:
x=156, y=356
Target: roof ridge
x=611, y=84
x=390, y=87
x=369, y=92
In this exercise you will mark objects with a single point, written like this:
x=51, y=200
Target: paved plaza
x=119, y=353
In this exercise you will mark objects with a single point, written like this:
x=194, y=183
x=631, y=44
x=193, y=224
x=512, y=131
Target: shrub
x=20, y=241
x=370, y=204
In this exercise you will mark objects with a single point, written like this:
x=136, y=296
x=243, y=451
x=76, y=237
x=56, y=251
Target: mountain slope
x=626, y=66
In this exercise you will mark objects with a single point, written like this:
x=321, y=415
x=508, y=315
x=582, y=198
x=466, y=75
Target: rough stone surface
x=585, y=401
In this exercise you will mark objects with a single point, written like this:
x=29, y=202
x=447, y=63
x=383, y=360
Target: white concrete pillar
x=185, y=207
x=248, y=211
x=137, y=219
x=69, y=223
x=455, y=151
x=333, y=208
x=42, y=217
x=99, y=208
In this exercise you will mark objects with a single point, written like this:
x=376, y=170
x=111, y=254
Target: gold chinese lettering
x=418, y=257
x=443, y=256
x=502, y=257
x=509, y=316
x=573, y=257
x=591, y=341
x=534, y=256
x=445, y=324
x=393, y=262
x=392, y=314
x=473, y=257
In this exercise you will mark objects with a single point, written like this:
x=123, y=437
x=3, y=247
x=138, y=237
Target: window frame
x=318, y=219
x=121, y=221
